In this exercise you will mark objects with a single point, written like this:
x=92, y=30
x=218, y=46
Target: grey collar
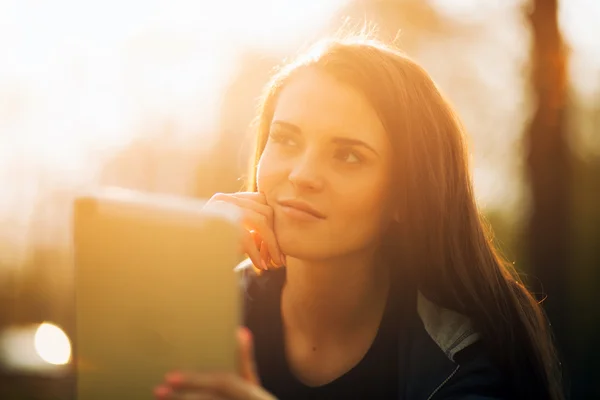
x=451, y=331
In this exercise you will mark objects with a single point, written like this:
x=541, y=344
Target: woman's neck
x=327, y=300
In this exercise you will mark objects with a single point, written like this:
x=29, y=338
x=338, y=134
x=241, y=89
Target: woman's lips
x=299, y=209
x=298, y=214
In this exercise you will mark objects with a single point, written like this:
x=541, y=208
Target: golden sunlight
x=81, y=80
x=52, y=344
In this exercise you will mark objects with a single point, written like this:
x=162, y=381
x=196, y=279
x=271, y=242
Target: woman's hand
x=259, y=241
x=218, y=386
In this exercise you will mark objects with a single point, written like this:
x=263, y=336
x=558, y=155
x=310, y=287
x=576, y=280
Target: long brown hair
x=443, y=237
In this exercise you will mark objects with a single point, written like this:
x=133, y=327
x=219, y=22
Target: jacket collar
x=436, y=335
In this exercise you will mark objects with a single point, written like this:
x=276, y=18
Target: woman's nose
x=306, y=173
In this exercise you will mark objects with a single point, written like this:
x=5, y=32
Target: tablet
x=155, y=291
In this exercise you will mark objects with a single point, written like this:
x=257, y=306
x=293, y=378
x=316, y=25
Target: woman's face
x=328, y=152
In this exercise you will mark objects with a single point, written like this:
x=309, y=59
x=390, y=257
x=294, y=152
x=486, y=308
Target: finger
x=257, y=238
x=247, y=362
x=259, y=218
x=193, y=395
x=261, y=224
x=162, y=392
x=264, y=254
x=256, y=217
x=252, y=251
x=165, y=392
x=255, y=196
x=227, y=385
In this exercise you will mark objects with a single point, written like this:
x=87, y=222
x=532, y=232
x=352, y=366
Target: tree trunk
x=549, y=168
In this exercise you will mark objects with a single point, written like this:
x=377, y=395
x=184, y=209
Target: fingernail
x=247, y=333
x=174, y=378
x=263, y=264
x=161, y=392
x=244, y=334
x=274, y=264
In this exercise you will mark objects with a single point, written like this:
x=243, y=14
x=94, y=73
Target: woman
x=391, y=287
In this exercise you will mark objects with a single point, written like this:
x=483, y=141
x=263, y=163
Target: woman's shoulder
x=448, y=359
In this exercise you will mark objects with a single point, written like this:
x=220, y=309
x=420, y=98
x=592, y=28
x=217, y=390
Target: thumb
x=246, y=351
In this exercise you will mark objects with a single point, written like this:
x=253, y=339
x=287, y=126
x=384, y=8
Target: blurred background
x=158, y=96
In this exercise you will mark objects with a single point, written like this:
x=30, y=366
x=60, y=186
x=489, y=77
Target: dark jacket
x=446, y=359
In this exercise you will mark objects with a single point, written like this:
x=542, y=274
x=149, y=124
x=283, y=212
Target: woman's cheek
x=369, y=202
x=268, y=172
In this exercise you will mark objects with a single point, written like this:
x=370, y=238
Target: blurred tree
x=584, y=271
x=549, y=168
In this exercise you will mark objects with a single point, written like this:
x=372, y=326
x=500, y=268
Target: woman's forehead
x=317, y=103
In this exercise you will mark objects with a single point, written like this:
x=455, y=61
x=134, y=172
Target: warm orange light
x=82, y=80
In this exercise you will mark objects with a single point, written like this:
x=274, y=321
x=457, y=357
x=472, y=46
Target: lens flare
x=52, y=344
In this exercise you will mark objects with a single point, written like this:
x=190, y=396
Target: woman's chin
x=302, y=253
x=297, y=245
x=295, y=249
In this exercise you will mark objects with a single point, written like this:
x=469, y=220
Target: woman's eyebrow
x=287, y=125
x=341, y=140
x=353, y=142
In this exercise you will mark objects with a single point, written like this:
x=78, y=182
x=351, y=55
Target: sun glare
x=81, y=80
x=52, y=344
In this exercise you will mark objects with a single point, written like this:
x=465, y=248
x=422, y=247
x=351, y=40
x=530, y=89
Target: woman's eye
x=347, y=155
x=282, y=139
